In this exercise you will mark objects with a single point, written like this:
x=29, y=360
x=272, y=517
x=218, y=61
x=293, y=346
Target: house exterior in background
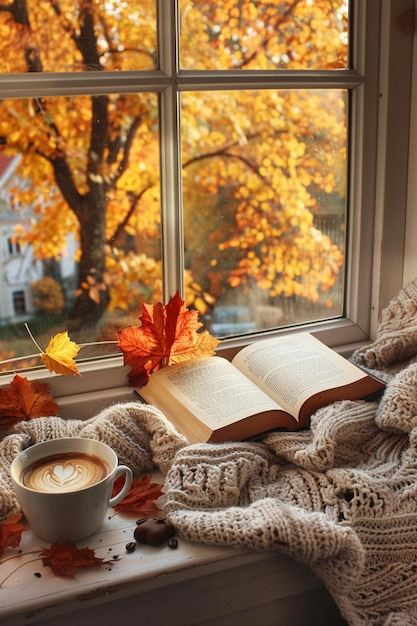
x=18, y=268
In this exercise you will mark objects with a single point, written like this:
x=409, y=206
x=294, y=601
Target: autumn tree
x=80, y=152
x=266, y=157
x=261, y=157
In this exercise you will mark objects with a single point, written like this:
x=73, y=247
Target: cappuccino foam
x=64, y=472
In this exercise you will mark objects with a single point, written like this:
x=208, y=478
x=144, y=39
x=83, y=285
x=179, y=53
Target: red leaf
x=65, y=558
x=168, y=334
x=11, y=532
x=25, y=400
x=140, y=499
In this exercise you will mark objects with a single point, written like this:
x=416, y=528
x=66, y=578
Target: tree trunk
x=92, y=302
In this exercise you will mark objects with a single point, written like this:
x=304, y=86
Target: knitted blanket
x=341, y=496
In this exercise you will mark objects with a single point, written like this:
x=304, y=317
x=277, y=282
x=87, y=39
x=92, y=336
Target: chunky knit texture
x=341, y=496
x=139, y=434
x=396, y=339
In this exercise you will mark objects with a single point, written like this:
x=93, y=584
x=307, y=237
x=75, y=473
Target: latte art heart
x=64, y=472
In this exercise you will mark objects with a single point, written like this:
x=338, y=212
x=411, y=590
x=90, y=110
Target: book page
x=291, y=369
x=214, y=390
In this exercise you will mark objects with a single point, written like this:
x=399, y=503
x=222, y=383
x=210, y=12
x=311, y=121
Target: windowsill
x=117, y=591
x=152, y=585
x=104, y=381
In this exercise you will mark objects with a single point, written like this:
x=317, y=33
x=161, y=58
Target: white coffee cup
x=64, y=486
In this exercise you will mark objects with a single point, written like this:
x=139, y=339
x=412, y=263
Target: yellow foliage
x=264, y=156
x=48, y=296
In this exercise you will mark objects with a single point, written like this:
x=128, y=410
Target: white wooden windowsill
x=194, y=584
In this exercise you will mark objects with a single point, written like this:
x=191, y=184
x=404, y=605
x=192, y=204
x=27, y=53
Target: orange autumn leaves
x=140, y=499
x=168, y=334
x=65, y=558
x=11, y=532
x=25, y=400
x=62, y=558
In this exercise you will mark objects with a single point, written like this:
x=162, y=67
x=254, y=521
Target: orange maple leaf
x=10, y=532
x=65, y=558
x=140, y=499
x=25, y=400
x=168, y=334
x=59, y=355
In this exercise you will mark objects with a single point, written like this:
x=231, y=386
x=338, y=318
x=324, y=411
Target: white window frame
x=410, y=254
x=380, y=102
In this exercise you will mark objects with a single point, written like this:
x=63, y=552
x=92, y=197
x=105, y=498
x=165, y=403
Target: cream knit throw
x=140, y=435
x=341, y=496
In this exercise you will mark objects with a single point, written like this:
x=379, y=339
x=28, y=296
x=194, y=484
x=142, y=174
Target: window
x=19, y=303
x=226, y=150
x=13, y=247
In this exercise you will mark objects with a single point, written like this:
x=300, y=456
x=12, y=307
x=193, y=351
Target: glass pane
x=73, y=36
x=265, y=179
x=79, y=218
x=263, y=34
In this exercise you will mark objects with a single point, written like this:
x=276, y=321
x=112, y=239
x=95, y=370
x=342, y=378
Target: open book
x=275, y=383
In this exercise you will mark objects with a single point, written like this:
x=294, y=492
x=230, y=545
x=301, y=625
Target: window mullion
x=170, y=142
x=258, y=79
x=66, y=84
x=171, y=202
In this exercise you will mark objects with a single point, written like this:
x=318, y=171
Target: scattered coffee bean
x=38, y=574
x=173, y=543
x=131, y=546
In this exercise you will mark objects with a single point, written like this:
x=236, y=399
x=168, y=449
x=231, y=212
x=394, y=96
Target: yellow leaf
x=59, y=355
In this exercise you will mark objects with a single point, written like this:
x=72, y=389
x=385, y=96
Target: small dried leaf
x=25, y=400
x=140, y=499
x=60, y=353
x=10, y=532
x=65, y=558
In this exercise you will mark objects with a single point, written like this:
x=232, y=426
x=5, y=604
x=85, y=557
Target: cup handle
x=128, y=474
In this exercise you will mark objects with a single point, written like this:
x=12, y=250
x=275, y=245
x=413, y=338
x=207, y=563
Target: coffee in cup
x=64, y=486
x=67, y=471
